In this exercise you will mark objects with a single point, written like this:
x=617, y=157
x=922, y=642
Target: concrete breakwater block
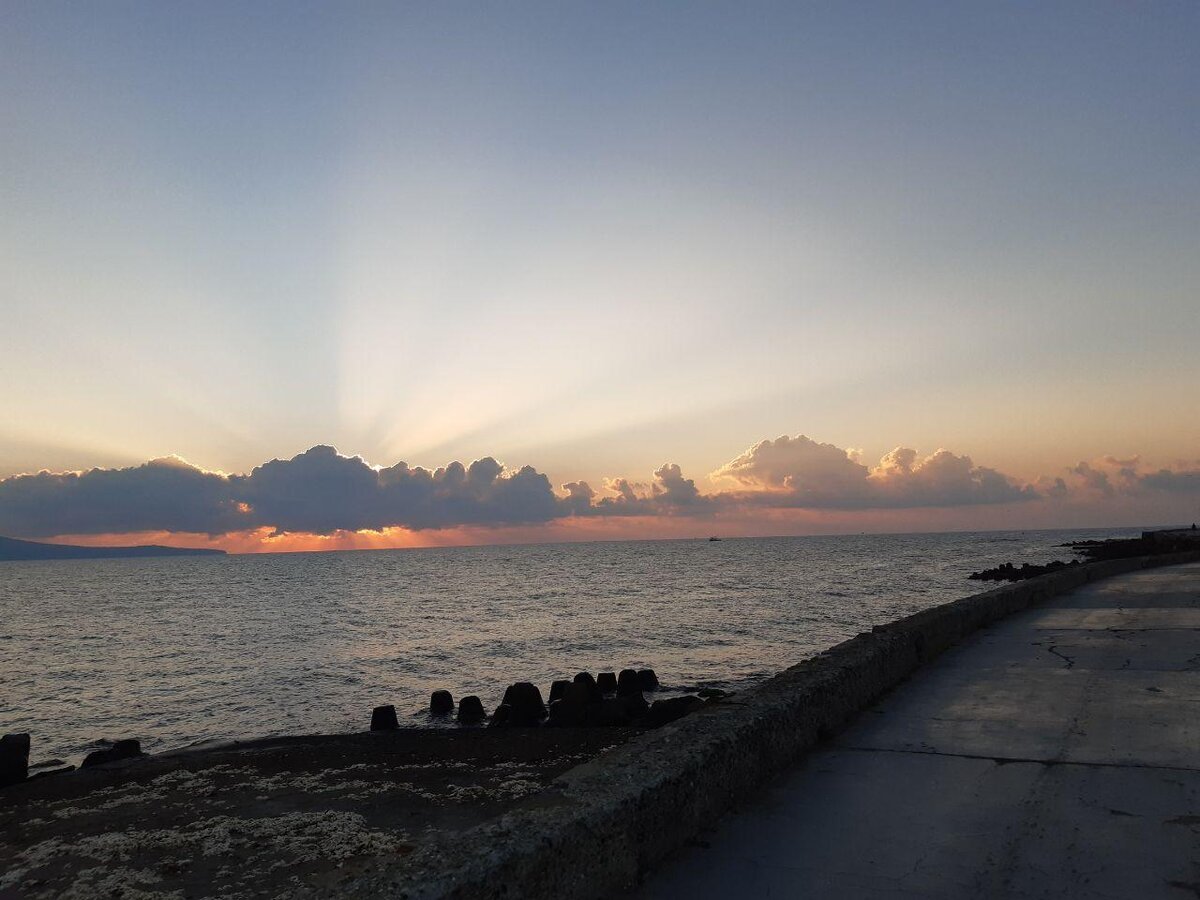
x=522, y=706
x=383, y=718
x=558, y=689
x=629, y=692
x=589, y=685
x=628, y=683
x=441, y=703
x=579, y=702
x=471, y=711
x=124, y=749
x=14, y=758
x=568, y=712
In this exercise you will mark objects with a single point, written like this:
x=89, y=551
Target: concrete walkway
x=1056, y=754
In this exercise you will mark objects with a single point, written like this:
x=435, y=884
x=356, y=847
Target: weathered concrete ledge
x=602, y=826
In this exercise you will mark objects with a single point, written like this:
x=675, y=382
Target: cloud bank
x=798, y=471
x=321, y=492
x=1110, y=476
x=318, y=492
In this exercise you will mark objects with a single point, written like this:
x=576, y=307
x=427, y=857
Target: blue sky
x=594, y=238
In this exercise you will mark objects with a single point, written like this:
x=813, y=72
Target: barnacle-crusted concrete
x=610, y=821
x=271, y=818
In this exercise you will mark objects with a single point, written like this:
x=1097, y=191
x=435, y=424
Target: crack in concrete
x=1192, y=886
x=1008, y=760
x=1190, y=821
x=1053, y=649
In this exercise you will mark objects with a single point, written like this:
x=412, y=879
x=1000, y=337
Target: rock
x=471, y=711
x=525, y=702
x=441, y=703
x=383, y=718
x=557, y=689
x=664, y=711
x=14, y=758
x=594, y=694
x=628, y=683
x=46, y=773
x=647, y=679
x=711, y=693
x=635, y=704
x=610, y=712
x=607, y=682
x=1009, y=572
x=567, y=713
x=124, y=749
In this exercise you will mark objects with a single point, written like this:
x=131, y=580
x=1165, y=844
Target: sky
x=624, y=247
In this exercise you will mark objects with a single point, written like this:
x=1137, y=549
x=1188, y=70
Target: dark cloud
x=579, y=497
x=322, y=492
x=1110, y=476
x=318, y=491
x=1179, y=482
x=163, y=494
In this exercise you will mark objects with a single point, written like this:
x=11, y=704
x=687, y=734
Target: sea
x=183, y=650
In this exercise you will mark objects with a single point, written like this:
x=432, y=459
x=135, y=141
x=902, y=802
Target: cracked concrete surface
x=1056, y=754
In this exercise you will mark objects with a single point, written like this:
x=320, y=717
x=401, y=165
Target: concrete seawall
x=602, y=826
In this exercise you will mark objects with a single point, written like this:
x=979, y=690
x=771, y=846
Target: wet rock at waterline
x=663, y=711
x=46, y=773
x=124, y=749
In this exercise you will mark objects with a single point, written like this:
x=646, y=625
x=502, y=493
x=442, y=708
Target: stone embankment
x=599, y=828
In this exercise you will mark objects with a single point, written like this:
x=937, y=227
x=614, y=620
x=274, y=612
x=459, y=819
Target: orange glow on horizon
x=742, y=523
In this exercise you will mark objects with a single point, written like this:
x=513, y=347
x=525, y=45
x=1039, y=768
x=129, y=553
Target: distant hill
x=11, y=549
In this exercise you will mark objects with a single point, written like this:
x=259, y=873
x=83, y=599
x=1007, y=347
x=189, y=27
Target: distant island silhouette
x=13, y=549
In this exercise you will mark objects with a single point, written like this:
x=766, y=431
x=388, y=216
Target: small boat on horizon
x=714, y=539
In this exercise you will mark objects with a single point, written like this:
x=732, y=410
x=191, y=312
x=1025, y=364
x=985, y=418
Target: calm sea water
x=179, y=650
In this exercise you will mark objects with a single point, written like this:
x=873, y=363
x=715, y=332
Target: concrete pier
x=1054, y=754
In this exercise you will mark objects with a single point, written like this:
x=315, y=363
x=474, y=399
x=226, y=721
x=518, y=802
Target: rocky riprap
x=1151, y=543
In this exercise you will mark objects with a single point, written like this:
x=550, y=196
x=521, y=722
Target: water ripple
x=175, y=651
